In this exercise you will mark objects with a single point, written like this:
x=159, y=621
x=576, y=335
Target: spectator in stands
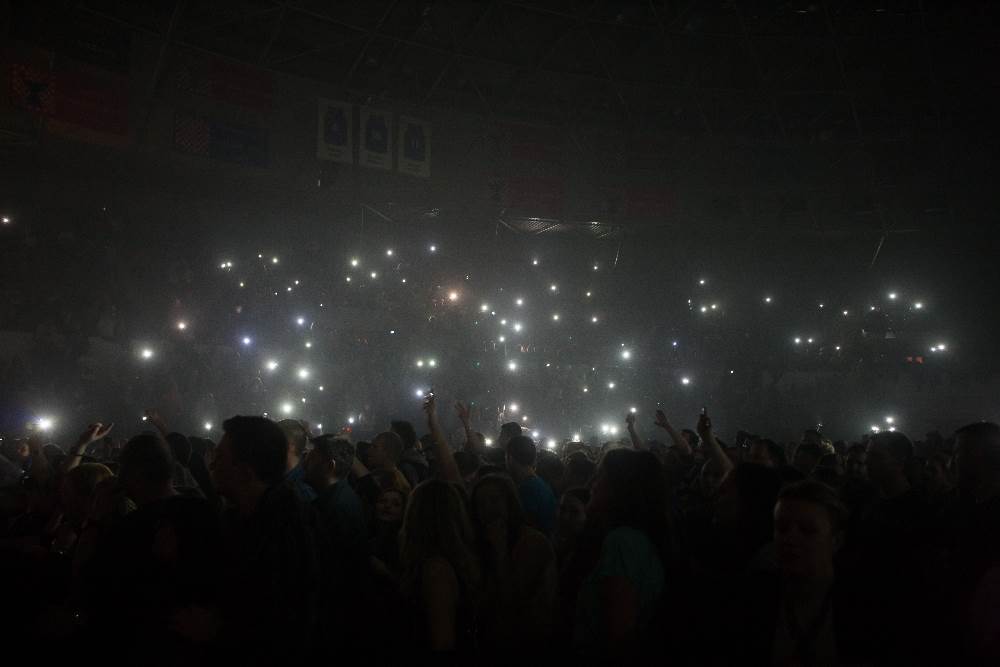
x=537, y=498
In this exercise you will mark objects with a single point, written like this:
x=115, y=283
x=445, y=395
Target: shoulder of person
x=437, y=575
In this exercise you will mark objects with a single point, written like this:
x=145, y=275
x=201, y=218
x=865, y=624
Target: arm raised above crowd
x=675, y=435
x=93, y=433
x=442, y=452
x=712, y=448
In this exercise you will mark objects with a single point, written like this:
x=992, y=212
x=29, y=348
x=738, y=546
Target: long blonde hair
x=436, y=523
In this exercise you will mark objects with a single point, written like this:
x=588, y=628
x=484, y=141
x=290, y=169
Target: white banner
x=376, y=138
x=414, y=146
x=335, y=136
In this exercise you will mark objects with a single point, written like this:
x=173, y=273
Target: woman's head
x=436, y=524
x=808, y=526
x=78, y=486
x=629, y=491
x=494, y=498
x=572, y=513
x=389, y=505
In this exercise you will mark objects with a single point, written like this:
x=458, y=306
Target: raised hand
x=661, y=419
x=704, y=424
x=156, y=419
x=630, y=420
x=463, y=412
x=94, y=433
x=430, y=406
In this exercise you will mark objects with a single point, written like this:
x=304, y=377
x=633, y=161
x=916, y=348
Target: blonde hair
x=436, y=524
x=85, y=477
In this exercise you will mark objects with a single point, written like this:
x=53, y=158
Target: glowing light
x=585, y=390
x=208, y=426
x=614, y=430
x=535, y=434
x=45, y=423
x=714, y=306
x=845, y=313
x=517, y=326
x=289, y=289
x=319, y=427
x=605, y=428
x=303, y=399
x=611, y=385
x=941, y=347
x=182, y=325
x=892, y=429
x=242, y=284
x=247, y=340
x=918, y=306
x=286, y=408
x=272, y=365
x=875, y=429
x=320, y=387
x=420, y=363
x=767, y=299
x=837, y=348
x=374, y=274
x=488, y=441
x=274, y=260
x=513, y=407
x=300, y=321
x=632, y=410
x=553, y=287
x=354, y=262
x=594, y=319
x=5, y=220
x=685, y=381
x=555, y=317
x=453, y=296
x=512, y=366
x=809, y=340
x=626, y=354
x=308, y=344
x=595, y=267
x=433, y=248
x=704, y=309
x=483, y=308
x=519, y=302
x=674, y=344
x=821, y=306
x=503, y=322
x=890, y=420
x=892, y=296
x=798, y=341
x=872, y=308
x=419, y=393
x=534, y=262
x=348, y=279
x=588, y=295
x=502, y=339
x=551, y=443
x=388, y=253
x=403, y=281
x=146, y=353
x=303, y=373
x=296, y=282
x=350, y=420
x=701, y=282
x=524, y=418
x=576, y=437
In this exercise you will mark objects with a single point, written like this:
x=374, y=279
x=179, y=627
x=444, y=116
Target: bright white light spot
x=388, y=253
x=420, y=363
x=517, y=326
x=272, y=365
x=488, y=441
x=432, y=363
x=242, y=284
x=288, y=289
x=512, y=366
x=798, y=341
x=419, y=393
x=576, y=437
x=308, y=344
x=453, y=296
x=354, y=262
x=433, y=248
x=837, y=348
x=274, y=260
x=704, y=309
x=611, y=385
x=918, y=305
x=503, y=322
x=524, y=418
x=320, y=387
x=767, y=299
x=821, y=306
x=404, y=281
x=146, y=353
x=890, y=420
x=535, y=434
x=319, y=427
x=303, y=399
x=875, y=429
x=483, y=308
x=626, y=354
x=296, y=282
x=732, y=372
x=555, y=317
x=872, y=308
x=701, y=282
x=845, y=313
x=350, y=420
x=674, y=344
x=632, y=410
x=534, y=262
x=595, y=267
x=892, y=429
x=374, y=274
x=45, y=423
x=594, y=319
x=247, y=340
x=553, y=287
x=588, y=295
x=809, y=340
x=551, y=443
x=685, y=380
x=348, y=279
x=502, y=339
x=513, y=407
x=182, y=325
x=300, y=321
x=605, y=428
x=519, y=302
x=585, y=390
x=286, y=408
x=5, y=220
x=303, y=373
x=208, y=426
x=714, y=306
x=892, y=295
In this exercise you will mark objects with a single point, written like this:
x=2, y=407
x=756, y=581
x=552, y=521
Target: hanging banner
x=200, y=135
x=414, y=146
x=376, y=139
x=335, y=134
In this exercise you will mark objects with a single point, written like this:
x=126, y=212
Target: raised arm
x=154, y=418
x=675, y=435
x=713, y=450
x=472, y=444
x=93, y=433
x=442, y=452
x=636, y=440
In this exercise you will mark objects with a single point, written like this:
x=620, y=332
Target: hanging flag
x=414, y=146
x=376, y=139
x=335, y=132
x=199, y=135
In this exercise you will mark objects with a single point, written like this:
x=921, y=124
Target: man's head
x=250, y=457
x=385, y=451
x=146, y=468
x=808, y=529
x=888, y=457
x=856, y=464
x=521, y=453
x=508, y=431
x=406, y=433
x=328, y=461
x=977, y=459
x=766, y=453
x=807, y=455
x=296, y=438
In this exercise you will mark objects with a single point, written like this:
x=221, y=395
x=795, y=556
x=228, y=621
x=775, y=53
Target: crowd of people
x=276, y=544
